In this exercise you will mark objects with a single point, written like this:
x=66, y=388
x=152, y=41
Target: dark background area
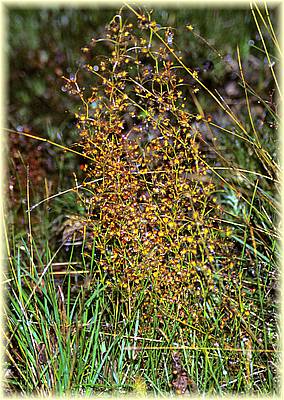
x=46, y=44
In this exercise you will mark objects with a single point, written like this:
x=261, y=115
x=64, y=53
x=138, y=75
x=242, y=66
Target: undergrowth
x=165, y=282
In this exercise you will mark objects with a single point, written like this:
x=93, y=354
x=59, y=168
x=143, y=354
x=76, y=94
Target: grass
x=72, y=328
x=62, y=342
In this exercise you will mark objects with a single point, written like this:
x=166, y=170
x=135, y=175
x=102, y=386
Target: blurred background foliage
x=46, y=44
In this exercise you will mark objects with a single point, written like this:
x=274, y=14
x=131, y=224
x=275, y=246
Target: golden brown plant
x=154, y=213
